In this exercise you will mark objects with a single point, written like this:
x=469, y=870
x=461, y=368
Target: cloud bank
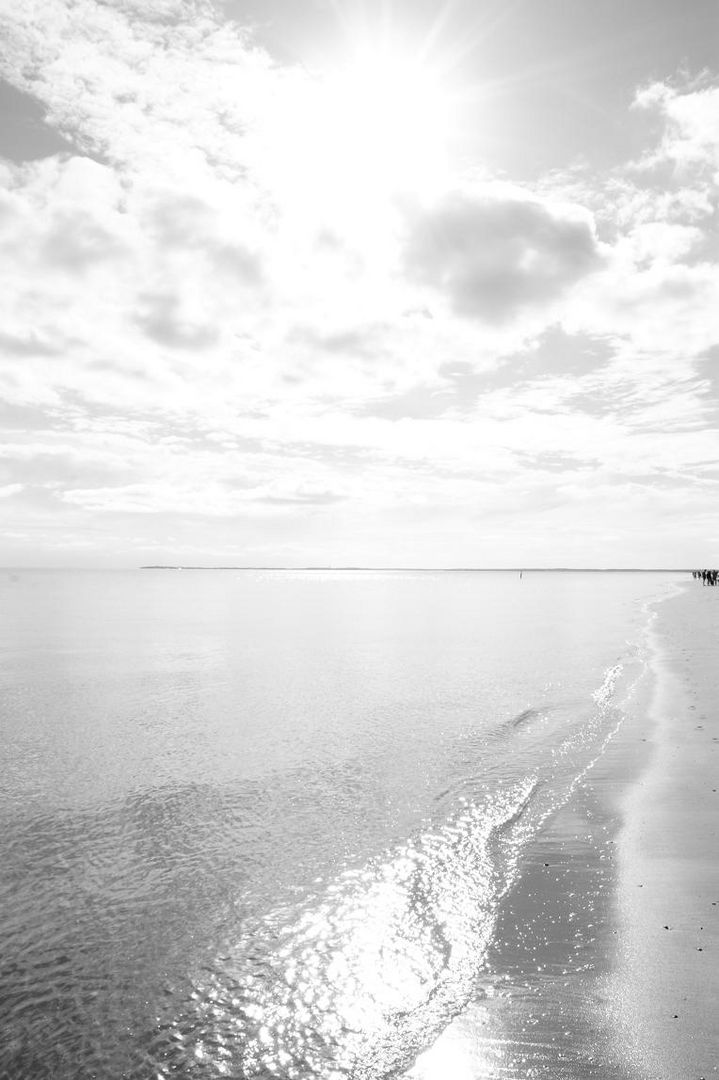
x=203, y=357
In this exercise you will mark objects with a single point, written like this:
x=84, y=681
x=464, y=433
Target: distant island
x=449, y=569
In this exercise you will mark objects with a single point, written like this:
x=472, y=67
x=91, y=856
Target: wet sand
x=667, y=983
x=583, y=980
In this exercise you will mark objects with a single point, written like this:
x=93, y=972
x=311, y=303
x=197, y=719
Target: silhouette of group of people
x=707, y=577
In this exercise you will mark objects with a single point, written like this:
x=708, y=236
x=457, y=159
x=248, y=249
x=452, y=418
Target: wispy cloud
x=199, y=325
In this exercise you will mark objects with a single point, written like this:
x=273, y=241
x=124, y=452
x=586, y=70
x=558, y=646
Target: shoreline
x=442, y=569
x=542, y=1007
x=666, y=987
x=582, y=981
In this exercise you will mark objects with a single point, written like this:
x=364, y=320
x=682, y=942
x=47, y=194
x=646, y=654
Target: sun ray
x=373, y=125
x=440, y=21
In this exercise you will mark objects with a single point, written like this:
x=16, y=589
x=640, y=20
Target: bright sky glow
x=396, y=284
x=349, y=141
x=389, y=117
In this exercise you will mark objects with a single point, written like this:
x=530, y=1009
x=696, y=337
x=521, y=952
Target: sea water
x=259, y=823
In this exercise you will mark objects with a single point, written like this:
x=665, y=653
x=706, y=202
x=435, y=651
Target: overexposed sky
x=290, y=282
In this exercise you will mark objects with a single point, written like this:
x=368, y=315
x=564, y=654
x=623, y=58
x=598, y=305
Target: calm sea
x=257, y=824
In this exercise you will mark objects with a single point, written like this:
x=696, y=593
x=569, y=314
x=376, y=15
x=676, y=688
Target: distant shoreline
x=448, y=569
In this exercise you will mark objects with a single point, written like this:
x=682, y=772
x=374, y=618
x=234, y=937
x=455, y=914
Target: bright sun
x=358, y=136
x=388, y=117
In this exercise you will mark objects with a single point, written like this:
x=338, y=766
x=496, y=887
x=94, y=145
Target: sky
x=359, y=282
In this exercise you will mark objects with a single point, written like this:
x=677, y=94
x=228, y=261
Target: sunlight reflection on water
x=257, y=826
x=358, y=982
x=453, y=1055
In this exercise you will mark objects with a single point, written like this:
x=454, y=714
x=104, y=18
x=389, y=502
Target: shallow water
x=259, y=824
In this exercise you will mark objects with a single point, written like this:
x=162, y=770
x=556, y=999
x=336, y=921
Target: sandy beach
x=668, y=978
x=604, y=962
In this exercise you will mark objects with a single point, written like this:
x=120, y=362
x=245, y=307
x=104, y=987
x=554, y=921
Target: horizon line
x=370, y=569
x=437, y=569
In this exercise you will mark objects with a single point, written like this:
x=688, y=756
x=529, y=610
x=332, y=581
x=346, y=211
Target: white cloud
x=495, y=251
x=209, y=337
x=691, y=116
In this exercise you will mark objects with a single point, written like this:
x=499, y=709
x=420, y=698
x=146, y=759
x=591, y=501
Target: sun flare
x=389, y=117
x=361, y=134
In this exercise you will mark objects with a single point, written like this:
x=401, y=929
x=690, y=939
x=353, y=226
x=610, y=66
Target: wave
x=356, y=982
x=360, y=976
x=358, y=979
